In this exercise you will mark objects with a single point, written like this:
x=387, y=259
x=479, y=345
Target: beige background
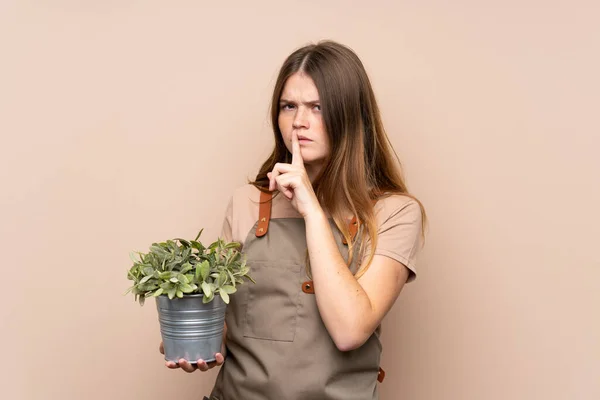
x=125, y=122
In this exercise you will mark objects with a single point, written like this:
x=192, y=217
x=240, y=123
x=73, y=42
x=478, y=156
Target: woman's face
x=300, y=111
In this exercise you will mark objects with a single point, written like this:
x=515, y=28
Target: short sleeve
x=399, y=222
x=227, y=228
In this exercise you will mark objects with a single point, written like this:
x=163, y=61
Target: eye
x=317, y=107
x=287, y=106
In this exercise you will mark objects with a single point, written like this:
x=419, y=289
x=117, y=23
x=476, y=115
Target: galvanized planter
x=191, y=329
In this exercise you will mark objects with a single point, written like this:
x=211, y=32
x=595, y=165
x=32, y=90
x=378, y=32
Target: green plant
x=178, y=266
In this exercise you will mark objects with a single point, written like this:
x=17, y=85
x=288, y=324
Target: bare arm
x=351, y=309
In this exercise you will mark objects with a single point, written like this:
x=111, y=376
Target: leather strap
x=353, y=227
x=264, y=213
x=353, y=230
x=381, y=375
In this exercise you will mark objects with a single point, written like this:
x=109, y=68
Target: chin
x=312, y=161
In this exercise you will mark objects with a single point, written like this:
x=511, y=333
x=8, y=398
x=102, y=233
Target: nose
x=300, y=119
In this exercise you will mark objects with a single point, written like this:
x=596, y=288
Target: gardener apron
x=277, y=345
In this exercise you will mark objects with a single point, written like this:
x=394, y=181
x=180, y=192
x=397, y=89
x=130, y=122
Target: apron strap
x=353, y=227
x=264, y=213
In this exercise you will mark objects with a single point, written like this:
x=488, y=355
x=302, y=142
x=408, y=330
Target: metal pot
x=189, y=328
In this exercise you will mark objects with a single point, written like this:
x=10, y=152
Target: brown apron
x=277, y=345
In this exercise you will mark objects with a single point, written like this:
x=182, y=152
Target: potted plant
x=191, y=284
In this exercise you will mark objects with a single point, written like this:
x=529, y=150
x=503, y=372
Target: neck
x=312, y=171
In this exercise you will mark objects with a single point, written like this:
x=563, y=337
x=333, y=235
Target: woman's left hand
x=293, y=182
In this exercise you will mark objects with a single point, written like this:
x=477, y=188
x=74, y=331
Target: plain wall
x=127, y=122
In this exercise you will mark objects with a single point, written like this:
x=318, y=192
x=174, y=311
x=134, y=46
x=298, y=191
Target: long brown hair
x=362, y=165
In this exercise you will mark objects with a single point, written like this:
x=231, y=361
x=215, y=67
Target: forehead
x=300, y=87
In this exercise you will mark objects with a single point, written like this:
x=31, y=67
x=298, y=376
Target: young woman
x=331, y=235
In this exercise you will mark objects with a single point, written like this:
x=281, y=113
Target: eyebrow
x=306, y=103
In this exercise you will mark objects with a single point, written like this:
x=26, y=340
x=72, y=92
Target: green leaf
x=182, y=278
x=172, y=264
x=171, y=292
x=231, y=259
x=204, y=269
x=198, y=246
x=144, y=287
x=228, y=289
x=207, y=299
x=199, y=233
x=174, y=280
x=186, y=267
x=166, y=285
x=184, y=242
x=158, y=250
x=146, y=279
x=206, y=289
x=179, y=294
x=185, y=288
x=135, y=261
x=231, y=277
x=221, y=279
x=224, y=296
x=158, y=292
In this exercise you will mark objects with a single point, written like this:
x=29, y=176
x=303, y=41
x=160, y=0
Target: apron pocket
x=272, y=303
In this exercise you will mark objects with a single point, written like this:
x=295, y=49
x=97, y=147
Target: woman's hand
x=201, y=364
x=293, y=182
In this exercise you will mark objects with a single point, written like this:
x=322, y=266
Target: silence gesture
x=293, y=182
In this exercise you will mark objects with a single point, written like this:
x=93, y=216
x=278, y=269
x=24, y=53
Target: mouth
x=303, y=139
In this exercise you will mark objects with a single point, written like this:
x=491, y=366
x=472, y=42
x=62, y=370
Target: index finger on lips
x=296, y=154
